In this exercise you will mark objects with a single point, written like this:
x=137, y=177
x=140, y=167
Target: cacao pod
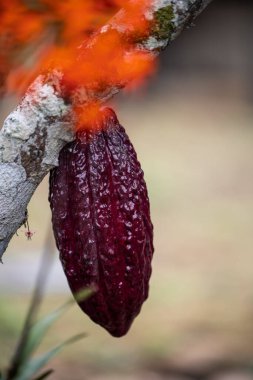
x=101, y=222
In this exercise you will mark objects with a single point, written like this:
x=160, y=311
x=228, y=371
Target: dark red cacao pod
x=101, y=222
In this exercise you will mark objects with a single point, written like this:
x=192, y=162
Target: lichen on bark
x=163, y=25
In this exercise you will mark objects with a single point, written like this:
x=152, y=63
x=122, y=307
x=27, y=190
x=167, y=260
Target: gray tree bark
x=35, y=132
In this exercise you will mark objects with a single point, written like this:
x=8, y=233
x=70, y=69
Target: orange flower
x=112, y=59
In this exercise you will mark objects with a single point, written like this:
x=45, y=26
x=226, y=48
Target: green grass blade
x=33, y=366
x=83, y=294
x=40, y=328
x=32, y=313
x=44, y=375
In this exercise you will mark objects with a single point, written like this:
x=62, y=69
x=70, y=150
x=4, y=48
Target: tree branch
x=35, y=132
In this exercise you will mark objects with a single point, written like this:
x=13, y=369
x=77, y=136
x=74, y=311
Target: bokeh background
x=192, y=127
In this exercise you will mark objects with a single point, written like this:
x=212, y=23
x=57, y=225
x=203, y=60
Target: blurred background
x=192, y=128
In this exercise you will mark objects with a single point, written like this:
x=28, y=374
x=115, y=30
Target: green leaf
x=2, y=376
x=40, y=328
x=38, y=331
x=34, y=333
x=83, y=294
x=33, y=366
x=44, y=374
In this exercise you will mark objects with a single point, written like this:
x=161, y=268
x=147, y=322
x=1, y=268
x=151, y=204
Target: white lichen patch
x=18, y=126
x=48, y=102
x=11, y=175
x=57, y=136
x=158, y=4
x=11, y=178
x=30, y=142
x=152, y=44
x=104, y=29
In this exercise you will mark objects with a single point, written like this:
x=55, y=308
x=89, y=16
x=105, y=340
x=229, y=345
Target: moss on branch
x=163, y=23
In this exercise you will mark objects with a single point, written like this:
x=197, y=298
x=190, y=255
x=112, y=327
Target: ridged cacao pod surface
x=101, y=222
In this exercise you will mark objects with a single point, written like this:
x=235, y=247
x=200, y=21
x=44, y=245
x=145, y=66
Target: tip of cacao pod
x=115, y=319
x=119, y=333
